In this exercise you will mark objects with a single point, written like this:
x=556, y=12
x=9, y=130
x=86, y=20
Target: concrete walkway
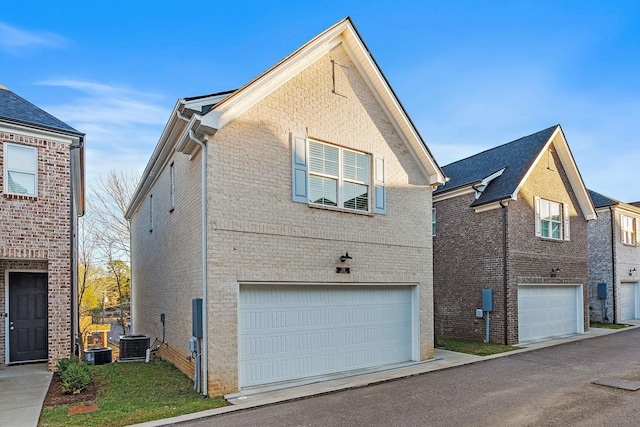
x=260, y=396
x=22, y=392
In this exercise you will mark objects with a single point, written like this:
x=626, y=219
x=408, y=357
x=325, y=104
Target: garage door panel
x=294, y=331
x=628, y=301
x=546, y=311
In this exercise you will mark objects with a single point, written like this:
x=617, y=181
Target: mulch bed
x=56, y=397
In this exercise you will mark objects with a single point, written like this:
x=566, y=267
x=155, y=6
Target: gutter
x=614, y=283
x=75, y=314
x=205, y=325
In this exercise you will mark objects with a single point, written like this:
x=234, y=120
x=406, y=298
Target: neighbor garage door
x=289, y=332
x=628, y=301
x=545, y=311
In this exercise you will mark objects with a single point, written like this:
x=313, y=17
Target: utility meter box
x=487, y=300
x=602, y=290
x=196, y=317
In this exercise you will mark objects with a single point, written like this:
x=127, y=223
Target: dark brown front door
x=27, y=317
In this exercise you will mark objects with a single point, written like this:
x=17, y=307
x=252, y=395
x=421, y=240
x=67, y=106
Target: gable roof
x=17, y=110
x=343, y=33
x=207, y=114
x=602, y=201
x=498, y=174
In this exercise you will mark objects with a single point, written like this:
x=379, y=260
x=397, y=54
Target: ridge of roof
x=516, y=157
x=17, y=110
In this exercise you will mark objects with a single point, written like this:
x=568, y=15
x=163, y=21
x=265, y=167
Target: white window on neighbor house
x=628, y=230
x=433, y=221
x=552, y=219
x=329, y=175
x=172, y=186
x=20, y=170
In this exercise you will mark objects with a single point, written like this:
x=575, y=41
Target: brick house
x=42, y=186
x=316, y=238
x=614, y=260
x=512, y=220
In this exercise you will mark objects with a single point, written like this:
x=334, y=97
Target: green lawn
x=477, y=348
x=130, y=393
x=607, y=325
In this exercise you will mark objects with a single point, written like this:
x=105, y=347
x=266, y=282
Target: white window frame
x=628, y=230
x=433, y=221
x=340, y=178
x=543, y=214
x=8, y=168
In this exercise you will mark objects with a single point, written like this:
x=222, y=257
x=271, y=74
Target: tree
x=108, y=200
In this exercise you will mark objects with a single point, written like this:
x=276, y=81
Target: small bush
x=63, y=364
x=75, y=377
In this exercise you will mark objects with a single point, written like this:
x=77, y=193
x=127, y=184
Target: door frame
x=7, y=285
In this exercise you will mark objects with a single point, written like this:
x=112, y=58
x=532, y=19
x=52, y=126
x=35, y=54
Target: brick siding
x=469, y=256
x=35, y=235
x=257, y=234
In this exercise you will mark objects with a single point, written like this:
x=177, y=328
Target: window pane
x=544, y=230
x=356, y=166
x=21, y=158
x=323, y=158
x=555, y=211
x=555, y=230
x=356, y=196
x=22, y=183
x=323, y=191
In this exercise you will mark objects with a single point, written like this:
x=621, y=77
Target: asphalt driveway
x=552, y=386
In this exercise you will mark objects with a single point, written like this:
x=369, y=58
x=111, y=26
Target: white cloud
x=122, y=125
x=13, y=39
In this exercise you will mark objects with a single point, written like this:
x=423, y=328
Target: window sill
x=337, y=209
x=19, y=196
x=551, y=239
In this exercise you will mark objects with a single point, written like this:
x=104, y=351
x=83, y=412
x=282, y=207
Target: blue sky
x=471, y=74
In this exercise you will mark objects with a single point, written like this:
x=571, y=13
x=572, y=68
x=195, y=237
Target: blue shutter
x=380, y=193
x=299, y=163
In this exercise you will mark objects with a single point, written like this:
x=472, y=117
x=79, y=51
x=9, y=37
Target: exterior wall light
x=345, y=257
x=344, y=270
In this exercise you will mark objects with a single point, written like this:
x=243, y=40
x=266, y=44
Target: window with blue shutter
x=329, y=175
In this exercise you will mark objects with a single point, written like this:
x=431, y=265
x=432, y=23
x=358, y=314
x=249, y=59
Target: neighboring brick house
x=42, y=187
x=318, y=249
x=614, y=260
x=513, y=219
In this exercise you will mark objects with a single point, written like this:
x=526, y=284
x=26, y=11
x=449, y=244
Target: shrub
x=75, y=377
x=63, y=364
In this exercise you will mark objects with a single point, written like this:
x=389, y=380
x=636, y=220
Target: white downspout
x=205, y=326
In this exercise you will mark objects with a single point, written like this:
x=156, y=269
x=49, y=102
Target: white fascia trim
x=493, y=205
x=453, y=193
x=37, y=133
x=485, y=182
x=159, y=157
x=257, y=89
x=571, y=169
x=343, y=33
x=392, y=108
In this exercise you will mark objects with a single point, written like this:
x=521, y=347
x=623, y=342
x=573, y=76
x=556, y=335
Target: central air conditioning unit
x=134, y=347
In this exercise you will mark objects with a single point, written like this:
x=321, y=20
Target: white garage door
x=288, y=332
x=628, y=300
x=548, y=311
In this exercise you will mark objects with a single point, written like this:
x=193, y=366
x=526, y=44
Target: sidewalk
x=22, y=392
x=260, y=396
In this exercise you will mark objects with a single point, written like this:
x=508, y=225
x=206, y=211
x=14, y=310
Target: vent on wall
x=134, y=347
